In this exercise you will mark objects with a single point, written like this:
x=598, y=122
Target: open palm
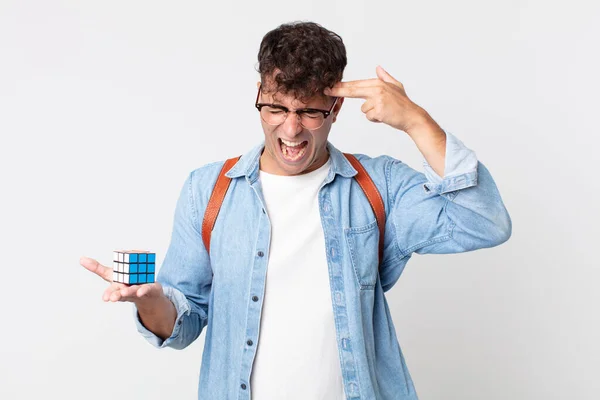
x=119, y=291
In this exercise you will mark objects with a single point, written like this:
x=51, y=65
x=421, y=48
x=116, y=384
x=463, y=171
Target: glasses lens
x=272, y=116
x=312, y=120
x=276, y=116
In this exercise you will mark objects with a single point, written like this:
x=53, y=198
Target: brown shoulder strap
x=374, y=197
x=222, y=184
x=215, y=201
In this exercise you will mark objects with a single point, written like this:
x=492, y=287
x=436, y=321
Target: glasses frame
x=326, y=113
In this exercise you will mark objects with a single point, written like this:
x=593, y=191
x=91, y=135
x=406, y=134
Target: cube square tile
x=133, y=267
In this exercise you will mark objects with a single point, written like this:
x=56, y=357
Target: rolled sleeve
x=460, y=169
x=183, y=310
x=463, y=211
x=439, y=220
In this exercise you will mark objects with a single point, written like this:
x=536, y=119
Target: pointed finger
x=358, y=83
x=361, y=92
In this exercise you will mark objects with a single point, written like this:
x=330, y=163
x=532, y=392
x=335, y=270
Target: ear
x=257, y=84
x=337, y=108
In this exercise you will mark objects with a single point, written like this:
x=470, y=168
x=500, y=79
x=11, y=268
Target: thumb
x=385, y=76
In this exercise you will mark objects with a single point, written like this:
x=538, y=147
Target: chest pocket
x=363, y=246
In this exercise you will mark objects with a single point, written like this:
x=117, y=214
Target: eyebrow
x=298, y=109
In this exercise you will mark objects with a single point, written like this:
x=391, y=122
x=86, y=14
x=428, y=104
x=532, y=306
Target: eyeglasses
x=275, y=114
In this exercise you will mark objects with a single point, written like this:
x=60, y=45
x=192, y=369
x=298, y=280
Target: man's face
x=277, y=158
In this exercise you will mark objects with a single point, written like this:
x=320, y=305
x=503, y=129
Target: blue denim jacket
x=224, y=292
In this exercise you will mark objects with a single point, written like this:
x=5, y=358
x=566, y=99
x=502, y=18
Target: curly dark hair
x=305, y=58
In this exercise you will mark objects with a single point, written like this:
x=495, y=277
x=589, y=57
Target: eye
x=312, y=114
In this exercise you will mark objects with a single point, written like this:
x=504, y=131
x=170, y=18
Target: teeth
x=291, y=144
x=297, y=157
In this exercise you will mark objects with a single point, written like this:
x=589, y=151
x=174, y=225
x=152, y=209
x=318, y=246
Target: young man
x=291, y=291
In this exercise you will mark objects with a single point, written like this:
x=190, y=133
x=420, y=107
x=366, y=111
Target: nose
x=291, y=126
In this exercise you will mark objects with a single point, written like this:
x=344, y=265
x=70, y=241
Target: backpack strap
x=215, y=201
x=364, y=180
x=373, y=195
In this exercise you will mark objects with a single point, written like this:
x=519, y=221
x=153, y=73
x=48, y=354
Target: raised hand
x=386, y=100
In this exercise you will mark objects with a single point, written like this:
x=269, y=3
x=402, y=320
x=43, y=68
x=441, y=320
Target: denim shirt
x=222, y=292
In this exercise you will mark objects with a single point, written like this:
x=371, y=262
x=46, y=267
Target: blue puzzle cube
x=133, y=267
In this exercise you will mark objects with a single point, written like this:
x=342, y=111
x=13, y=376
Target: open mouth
x=293, y=153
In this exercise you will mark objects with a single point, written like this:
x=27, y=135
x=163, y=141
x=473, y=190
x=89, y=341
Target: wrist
x=420, y=122
x=151, y=305
x=425, y=128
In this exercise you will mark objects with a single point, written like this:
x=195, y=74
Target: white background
x=106, y=106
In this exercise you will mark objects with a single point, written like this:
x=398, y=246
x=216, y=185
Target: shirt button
x=260, y=254
x=254, y=298
x=243, y=386
x=264, y=212
x=249, y=342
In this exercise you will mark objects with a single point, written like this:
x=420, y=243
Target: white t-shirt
x=297, y=355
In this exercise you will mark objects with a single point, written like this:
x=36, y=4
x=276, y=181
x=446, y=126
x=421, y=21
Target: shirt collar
x=248, y=165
